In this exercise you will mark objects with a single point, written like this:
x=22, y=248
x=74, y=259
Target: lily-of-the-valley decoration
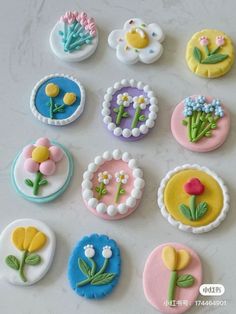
x=28, y=240
x=129, y=109
x=212, y=56
x=193, y=212
x=52, y=90
x=201, y=117
x=137, y=41
x=74, y=37
x=41, y=159
x=113, y=185
x=176, y=260
x=95, y=276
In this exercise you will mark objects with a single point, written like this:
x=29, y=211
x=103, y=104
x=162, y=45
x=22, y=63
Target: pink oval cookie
x=113, y=185
x=172, y=277
x=200, y=124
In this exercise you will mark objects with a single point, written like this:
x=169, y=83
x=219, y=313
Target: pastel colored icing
x=94, y=250
x=198, y=41
x=58, y=181
x=107, y=205
x=206, y=144
x=68, y=93
x=156, y=278
x=30, y=242
x=137, y=41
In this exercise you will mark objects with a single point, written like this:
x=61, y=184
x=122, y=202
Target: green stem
x=101, y=187
x=136, y=117
x=51, y=104
x=89, y=279
x=36, y=183
x=192, y=205
x=118, y=192
x=197, y=125
x=207, y=50
x=84, y=282
x=190, y=128
x=22, y=264
x=171, y=289
x=93, y=266
x=58, y=108
x=119, y=114
x=215, y=50
x=203, y=132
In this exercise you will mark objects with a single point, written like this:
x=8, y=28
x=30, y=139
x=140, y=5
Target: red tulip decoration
x=194, y=212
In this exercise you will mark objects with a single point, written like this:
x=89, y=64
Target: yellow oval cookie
x=213, y=59
x=174, y=196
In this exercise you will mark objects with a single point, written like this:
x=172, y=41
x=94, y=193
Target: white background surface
x=25, y=57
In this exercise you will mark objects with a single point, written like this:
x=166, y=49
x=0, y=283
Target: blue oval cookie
x=94, y=266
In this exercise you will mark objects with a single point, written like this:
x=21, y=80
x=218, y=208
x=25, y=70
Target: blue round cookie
x=94, y=266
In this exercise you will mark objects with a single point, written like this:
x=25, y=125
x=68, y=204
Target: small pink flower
x=204, y=40
x=64, y=19
x=220, y=41
x=70, y=17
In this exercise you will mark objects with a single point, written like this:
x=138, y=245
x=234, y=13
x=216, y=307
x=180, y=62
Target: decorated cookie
x=137, y=41
x=172, y=277
x=193, y=198
x=129, y=109
x=94, y=266
x=200, y=123
x=210, y=53
x=26, y=251
x=74, y=37
x=57, y=99
x=113, y=185
x=42, y=171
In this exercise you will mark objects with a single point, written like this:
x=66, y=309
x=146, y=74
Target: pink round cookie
x=172, y=277
x=200, y=124
x=113, y=185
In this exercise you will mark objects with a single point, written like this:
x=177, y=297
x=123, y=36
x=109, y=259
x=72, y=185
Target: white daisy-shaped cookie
x=122, y=177
x=104, y=177
x=140, y=101
x=137, y=41
x=124, y=99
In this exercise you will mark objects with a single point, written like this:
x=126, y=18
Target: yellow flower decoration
x=69, y=99
x=52, y=90
x=175, y=259
x=28, y=239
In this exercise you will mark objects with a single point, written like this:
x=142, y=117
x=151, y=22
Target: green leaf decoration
x=97, y=188
x=122, y=191
x=33, y=259
x=213, y=59
x=197, y=54
x=142, y=118
x=185, y=281
x=208, y=134
x=210, y=119
x=43, y=182
x=103, y=279
x=84, y=267
x=213, y=126
x=125, y=115
x=12, y=262
x=201, y=210
x=186, y=211
x=184, y=122
x=116, y=110
x=104, y=192
x=29, y=182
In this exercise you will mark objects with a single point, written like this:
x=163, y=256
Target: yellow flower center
x=105, y=176
x=125, y=98
x=137, y=38
x=69, y=99
x=52, y=90
x=140, y=100
x=122, y=176
x=40, y=154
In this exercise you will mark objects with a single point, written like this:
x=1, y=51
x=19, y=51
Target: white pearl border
x=56, y=122
x=136, y=193
x=106, y=112
x=180, y=225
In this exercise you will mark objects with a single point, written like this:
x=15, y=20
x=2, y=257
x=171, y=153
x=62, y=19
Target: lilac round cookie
x=129, y=109
x=200, y=124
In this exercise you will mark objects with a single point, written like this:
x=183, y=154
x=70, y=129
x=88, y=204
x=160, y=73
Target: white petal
x=155, y=28
x=114, y=36
x=128, y=56
x=151, y=53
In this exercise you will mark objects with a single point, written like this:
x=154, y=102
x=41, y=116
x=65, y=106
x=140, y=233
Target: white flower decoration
x=106, y=252
x=137, y=41
x=104, y=177
x=124, y=99
x=122, y=177
x=140, y=101
x=89, y=251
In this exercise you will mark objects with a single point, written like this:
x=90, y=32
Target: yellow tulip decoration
x=52, y=90
x=28, y=240
x=176, y=260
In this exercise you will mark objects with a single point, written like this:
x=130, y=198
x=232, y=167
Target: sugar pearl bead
x=107, y=155
x=87, y=194
x=101, y=208
x=126, y=157
x=122, y=209
x=116, y=154
x=111, y=210
x=92, y=202
x=139, y=183
x=131, y=202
